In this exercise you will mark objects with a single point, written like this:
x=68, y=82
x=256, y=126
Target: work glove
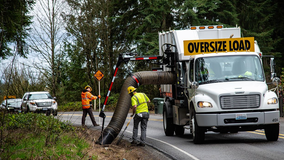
x=99, y=96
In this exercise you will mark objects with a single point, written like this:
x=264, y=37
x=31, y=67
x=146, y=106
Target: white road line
x=190, y=155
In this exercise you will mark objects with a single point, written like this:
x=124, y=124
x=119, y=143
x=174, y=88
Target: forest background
x=72, y=39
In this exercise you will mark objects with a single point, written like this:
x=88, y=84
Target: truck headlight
x=202, y=104
x=272, y=101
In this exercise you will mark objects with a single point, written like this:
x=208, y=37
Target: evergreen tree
x=14, y=20
x=255, y=21
x=278, y=34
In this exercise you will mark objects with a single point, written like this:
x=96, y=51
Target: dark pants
x=90, y=112
x=141, y=118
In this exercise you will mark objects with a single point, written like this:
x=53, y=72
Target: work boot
x=141, y=144
x=134, y=142
x=96, y=125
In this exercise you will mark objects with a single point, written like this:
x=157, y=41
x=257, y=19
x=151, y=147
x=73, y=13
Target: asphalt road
x=231, y=146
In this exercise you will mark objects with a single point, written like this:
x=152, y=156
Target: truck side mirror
x=194, y=85
x=276, y=81
x=272, y=68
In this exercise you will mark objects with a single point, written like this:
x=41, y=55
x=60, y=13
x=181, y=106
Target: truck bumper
x=237, y=119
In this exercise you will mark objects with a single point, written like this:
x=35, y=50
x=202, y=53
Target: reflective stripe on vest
x=138, y=100
x=86, y=98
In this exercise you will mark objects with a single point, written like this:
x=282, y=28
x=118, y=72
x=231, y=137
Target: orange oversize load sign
x=194, y=47
x=99, y=75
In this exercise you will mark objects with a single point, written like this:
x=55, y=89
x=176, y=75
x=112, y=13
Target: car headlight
x=202, y=104
x=272, y=101
x=32, y=103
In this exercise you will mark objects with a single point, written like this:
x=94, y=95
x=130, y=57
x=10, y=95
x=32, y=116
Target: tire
x=234, y=131
x=28, y=109
x=198, y=134
x=48, y=112
x=272, y=132
x=179, y=130
x=55, y=113
x=169, y=127
x=22, y=109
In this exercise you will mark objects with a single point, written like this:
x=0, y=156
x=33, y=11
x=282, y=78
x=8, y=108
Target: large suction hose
x=124, y=102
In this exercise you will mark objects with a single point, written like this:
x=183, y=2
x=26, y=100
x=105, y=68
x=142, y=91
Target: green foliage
x=77, y=105
x=70, y=106
x=31, y=136
x=32, y=121
x=13, y=25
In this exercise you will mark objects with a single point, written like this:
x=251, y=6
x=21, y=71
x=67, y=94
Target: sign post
x=99, y=76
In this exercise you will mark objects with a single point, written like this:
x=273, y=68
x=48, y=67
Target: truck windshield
x=228, y=68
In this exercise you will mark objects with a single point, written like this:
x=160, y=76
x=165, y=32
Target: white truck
x=221, y=85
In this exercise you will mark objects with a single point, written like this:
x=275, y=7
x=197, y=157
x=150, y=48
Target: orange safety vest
x=86, y=98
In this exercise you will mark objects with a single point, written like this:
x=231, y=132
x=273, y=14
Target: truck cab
x=221, y=85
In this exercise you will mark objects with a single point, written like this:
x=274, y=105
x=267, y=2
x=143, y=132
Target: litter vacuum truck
x=212, y=79
x=220, y=85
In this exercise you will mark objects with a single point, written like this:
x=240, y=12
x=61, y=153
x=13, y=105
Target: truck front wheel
x=272, y=132
x=169, y=127
x=198, y=133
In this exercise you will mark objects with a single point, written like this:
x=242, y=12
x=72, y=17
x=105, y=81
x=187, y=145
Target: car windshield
x=39, y=96
x=228, y=68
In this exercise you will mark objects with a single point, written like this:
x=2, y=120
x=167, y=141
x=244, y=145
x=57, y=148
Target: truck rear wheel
x=169, y=127
x=272, y=132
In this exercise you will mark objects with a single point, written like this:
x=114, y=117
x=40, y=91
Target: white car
x=39, y=102
x=12, y=105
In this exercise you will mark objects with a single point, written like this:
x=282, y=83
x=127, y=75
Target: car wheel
x=55, y=113
x=48, y=112
x=28, y=110
x=22, y=109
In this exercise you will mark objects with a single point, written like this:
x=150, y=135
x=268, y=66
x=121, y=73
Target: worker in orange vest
x=87, y=97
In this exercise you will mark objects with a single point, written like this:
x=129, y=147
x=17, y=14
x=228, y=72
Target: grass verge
x=36, y=136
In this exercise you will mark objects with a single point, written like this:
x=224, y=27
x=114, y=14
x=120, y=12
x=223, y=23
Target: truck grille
x=43, y=104
x=240, y=101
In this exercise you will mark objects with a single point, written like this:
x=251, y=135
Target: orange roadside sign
x=99, y=75
x=9, y=97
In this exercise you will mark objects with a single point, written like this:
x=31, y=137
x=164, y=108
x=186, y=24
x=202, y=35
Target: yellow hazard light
x=210, y=27
x=219, y=27
x=193, y=28
x=201, y=27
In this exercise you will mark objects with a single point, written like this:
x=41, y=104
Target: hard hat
x=87, y=86
x=131, y=89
